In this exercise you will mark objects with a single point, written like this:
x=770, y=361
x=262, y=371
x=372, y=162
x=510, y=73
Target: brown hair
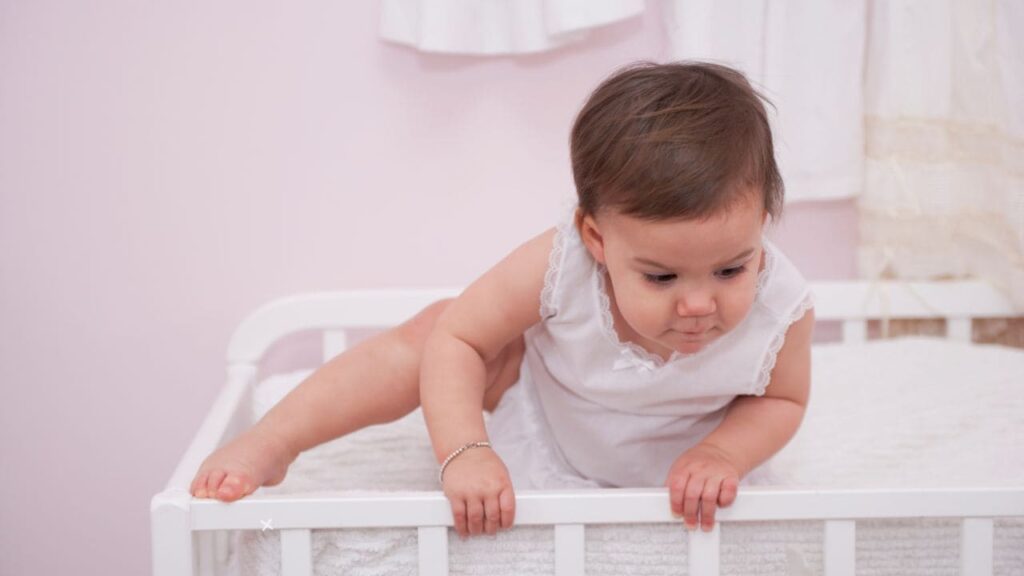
x=677, y=140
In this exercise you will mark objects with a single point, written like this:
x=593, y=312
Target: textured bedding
x=904, y=413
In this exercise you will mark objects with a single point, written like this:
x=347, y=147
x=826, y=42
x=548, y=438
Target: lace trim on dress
x=634, y=355
x=769, y=265
x=547, y=294
x=777, y=341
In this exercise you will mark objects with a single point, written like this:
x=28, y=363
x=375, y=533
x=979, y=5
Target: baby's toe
x=213, y=482
x=232, y=488
x=198, y=487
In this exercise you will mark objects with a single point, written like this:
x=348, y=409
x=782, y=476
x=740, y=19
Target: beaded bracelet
x=440, y=474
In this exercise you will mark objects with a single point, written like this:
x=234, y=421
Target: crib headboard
x=852, y=303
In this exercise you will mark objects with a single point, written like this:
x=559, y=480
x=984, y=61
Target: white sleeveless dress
x=592, y=411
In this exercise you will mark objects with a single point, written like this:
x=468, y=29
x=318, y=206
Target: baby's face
x=680, y=284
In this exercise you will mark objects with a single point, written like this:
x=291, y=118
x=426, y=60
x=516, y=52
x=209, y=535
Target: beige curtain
x=944, y=142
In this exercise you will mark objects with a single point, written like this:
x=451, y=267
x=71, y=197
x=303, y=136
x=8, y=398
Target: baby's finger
x=475, y=515
x=727, y=495
x=459, y=517
x=492, y=515
x=707, y=503
x=691, y=501
x=507, y=503
x=676, y=491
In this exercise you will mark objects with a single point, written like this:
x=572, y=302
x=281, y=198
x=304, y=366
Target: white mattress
x=912, y=412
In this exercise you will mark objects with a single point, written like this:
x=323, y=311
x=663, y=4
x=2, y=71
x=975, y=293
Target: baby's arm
x=754, y=428
x=473, y=330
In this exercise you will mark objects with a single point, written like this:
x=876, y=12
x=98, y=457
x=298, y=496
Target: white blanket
x=913, y=412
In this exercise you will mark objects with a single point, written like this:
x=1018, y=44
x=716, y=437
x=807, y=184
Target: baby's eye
x=659, y=278
x=732, y=272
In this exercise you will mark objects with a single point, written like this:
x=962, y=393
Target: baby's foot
x=236, y=470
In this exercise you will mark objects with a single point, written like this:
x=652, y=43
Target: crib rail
x=326, y=310
x=569, y=512
x=854, y=303
x=606, y=506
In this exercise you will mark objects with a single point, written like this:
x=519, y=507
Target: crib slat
x=334, y=342
x=958, y=329
x=222, y=546
x=206, y=554
x=855, y=331
x=433, y=545
x=569, y=549
x=704, y=551
x=840, y=547
x=296, y=555
x=976, y=545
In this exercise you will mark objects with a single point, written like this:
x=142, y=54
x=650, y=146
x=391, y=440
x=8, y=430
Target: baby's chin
x=690, y=347
x=687, y=345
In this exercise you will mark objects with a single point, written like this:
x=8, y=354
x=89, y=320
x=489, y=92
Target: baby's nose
x=696, y=304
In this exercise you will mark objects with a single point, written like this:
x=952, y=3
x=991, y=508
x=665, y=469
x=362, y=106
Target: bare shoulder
x=504, y=302
x=791, y=377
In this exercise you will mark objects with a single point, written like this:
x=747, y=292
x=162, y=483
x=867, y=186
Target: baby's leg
x=374, y=382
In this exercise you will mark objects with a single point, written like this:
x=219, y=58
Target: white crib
x=188, y=535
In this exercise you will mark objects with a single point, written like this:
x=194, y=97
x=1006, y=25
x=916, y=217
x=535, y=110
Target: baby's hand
x=701, y=479
x=480, y=491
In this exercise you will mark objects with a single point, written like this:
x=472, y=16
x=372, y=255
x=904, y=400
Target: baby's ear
x=591, y=237
x=578, y=221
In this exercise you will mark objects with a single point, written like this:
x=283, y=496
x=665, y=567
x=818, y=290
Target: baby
x=653, y=337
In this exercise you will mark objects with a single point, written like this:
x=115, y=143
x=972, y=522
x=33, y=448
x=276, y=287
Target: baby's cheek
x=738, y=305
x=645, y=313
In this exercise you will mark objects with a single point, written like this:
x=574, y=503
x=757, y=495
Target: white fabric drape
x=944, y=189
x=497, y=26
x=807, y=57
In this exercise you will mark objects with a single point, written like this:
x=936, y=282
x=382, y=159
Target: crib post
x=171, y=531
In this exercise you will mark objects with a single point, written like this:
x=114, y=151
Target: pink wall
x=165, y=167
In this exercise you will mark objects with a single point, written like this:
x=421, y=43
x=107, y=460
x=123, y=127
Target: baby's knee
x=414, y=331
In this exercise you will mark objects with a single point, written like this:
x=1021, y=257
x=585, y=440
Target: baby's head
x=676, y=175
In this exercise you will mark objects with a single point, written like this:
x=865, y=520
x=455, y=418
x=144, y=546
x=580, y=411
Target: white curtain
x=944, y=187
x=491, y=27
x=807, y=57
